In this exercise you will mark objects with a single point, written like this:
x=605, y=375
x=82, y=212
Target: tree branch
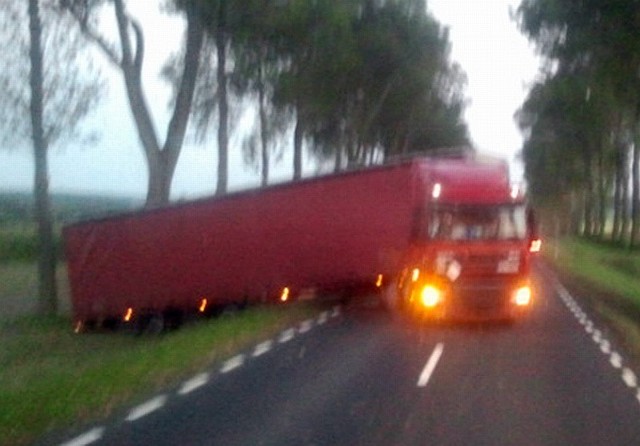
x=139, y=57
x=81, y=15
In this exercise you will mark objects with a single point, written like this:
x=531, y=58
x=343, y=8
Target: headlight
x=430, y=296
x=522, y=296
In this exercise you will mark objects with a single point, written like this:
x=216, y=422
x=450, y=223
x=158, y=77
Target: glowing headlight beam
x=522, y=296
x=430, y=296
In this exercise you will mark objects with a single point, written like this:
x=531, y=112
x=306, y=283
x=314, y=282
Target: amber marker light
x=522, y=296
x=128, y=315
x=415, y=275
x=430, y=296
x=203, y=305
x=379, y=281
x=285, y=294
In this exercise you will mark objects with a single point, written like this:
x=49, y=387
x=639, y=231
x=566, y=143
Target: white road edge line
x=431, y=365
x=232, y=363
x=615, y=360
x=87, y=438
x=323, y=317
x=262, y=348
x=194, y=383
x=305, y=326
x=286, y=335
x=145, y=409
x=629, y=377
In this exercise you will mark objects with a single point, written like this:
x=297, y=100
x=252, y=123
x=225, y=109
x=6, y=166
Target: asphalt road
x=358, y=377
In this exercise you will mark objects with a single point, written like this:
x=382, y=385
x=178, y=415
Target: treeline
x=351, y=81
x=582, y=117
x=357, y=80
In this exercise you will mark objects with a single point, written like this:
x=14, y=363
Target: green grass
x=51, y=378
x=610, y=268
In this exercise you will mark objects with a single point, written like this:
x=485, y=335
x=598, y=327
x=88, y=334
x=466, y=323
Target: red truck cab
x=469, y=253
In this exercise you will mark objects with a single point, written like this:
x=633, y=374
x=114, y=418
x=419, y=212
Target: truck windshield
x=459, y=223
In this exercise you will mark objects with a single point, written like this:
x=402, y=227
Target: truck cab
x=469, y=251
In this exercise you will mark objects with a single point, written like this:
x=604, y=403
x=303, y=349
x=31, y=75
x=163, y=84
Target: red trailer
x=330, y=232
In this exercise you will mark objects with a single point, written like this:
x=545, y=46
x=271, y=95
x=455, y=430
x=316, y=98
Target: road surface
x=354, y=376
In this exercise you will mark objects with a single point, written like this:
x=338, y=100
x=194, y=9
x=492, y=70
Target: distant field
x=19, y=289
x=19, y=245
x=17, y=207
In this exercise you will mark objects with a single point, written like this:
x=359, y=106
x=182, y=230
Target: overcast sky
x=499, y=63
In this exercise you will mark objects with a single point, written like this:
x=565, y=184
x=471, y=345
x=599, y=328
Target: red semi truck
x=382, y=226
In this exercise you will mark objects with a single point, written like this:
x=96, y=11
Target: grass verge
x=52, y=379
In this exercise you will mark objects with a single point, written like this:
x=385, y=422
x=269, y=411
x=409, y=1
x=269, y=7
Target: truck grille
x=485, y=295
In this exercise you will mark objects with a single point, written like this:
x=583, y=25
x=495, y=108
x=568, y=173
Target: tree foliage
x=585, y=109
x=72, y=84
x=362, y=79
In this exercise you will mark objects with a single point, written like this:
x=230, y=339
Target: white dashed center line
x=431, y=365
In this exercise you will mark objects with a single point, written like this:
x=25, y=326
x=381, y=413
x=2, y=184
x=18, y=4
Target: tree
x=128, y=57
x=368, y=78
x=362, y=79
x=597, y=39
x=61, y=89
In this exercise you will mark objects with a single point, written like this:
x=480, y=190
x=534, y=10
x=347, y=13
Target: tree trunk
x=179, y=120
x=47, y=292
x=297, y=149
x=635, y=194
x=263, y=129
x=602, y=196
x=161, y=161
x=621, y=165
x=223, y=105
x=588, y=198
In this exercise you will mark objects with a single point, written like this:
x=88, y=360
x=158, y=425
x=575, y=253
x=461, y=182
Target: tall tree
x=46, y=257
x=598, y=38
x=128, y=57
x=48, y=87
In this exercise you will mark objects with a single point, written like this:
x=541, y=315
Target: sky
x=499, y=63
